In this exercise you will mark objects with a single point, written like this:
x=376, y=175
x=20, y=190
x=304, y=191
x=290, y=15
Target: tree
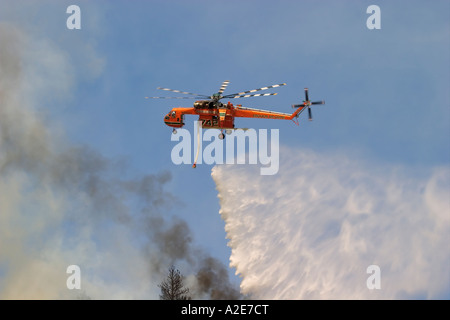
x=172, y=288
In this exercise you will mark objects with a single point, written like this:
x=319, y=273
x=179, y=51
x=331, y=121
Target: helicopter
x=213, y=114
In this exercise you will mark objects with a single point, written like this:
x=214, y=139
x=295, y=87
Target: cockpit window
x=173, y=114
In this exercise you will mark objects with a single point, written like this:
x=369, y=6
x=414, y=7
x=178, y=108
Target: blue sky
x=386, y=91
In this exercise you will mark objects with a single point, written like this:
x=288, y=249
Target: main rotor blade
x=306, y=94
x=318, y=102
x=309, y=114
x=170, y=98
x=251, y=95
x=183, y=92
x=224, y=86
x=254, y=90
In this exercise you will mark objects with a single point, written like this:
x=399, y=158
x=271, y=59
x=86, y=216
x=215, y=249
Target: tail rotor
x=307, y=103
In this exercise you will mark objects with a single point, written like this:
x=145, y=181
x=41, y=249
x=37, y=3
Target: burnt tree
x=172, y=288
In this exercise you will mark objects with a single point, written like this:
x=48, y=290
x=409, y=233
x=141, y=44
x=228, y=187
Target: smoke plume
x=312, y=230
x=64, y=204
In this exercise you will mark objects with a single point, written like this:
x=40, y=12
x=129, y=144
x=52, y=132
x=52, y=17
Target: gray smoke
x=212, y=280
x=63, y=204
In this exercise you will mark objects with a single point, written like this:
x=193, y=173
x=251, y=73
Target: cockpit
x=174, y=119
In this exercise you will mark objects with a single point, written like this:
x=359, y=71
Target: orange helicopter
x=213, y=114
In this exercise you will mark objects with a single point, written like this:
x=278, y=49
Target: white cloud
x=312, y=230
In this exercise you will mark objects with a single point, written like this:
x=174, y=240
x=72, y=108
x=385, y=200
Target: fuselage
x=216, y=115
x=213, y=115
